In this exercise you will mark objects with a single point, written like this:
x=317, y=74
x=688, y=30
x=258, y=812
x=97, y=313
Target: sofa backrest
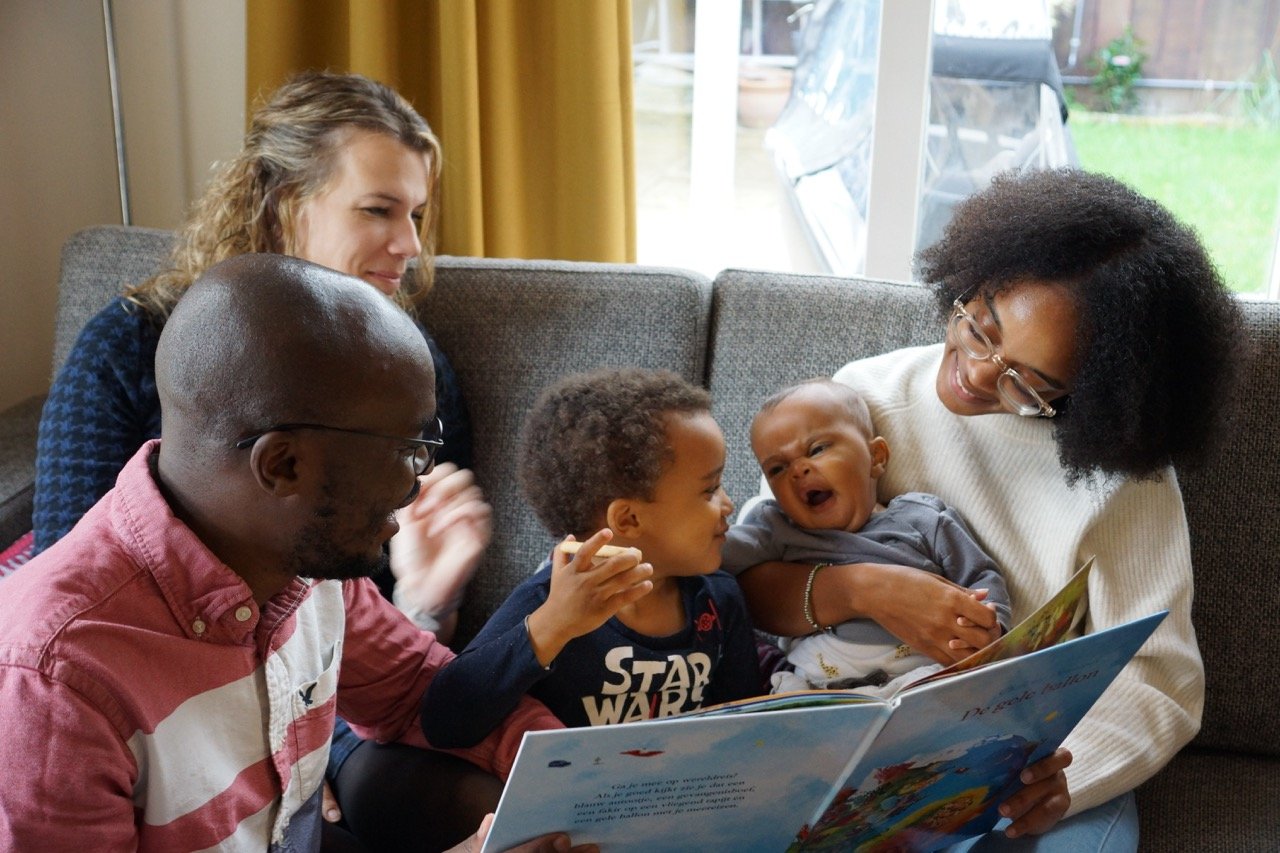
x=1233, y=509
x=97, y=265
x=769, y=330
x=512, y=327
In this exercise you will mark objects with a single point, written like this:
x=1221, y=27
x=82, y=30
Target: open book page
x=953, y=749
x=825, y=770
x=733, y=782
x=782, y=701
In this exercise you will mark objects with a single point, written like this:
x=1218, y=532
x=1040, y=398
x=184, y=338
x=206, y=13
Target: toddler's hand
x=585, y=593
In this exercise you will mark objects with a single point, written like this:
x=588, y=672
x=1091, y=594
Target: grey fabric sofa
x=510, y=327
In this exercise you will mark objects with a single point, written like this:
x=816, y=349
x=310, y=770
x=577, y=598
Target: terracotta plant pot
x=762, y=93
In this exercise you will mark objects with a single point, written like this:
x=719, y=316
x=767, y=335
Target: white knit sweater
x=1001, y=472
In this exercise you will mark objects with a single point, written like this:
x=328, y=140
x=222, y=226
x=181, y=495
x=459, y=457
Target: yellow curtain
x=531, y=100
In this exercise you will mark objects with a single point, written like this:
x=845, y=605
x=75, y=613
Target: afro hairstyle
x=1159, y=332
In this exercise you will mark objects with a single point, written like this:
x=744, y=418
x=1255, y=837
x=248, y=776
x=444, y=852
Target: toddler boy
x=633, y=458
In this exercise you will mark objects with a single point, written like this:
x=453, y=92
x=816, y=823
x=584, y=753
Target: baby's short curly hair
x=594, y=437
x=1159, y=333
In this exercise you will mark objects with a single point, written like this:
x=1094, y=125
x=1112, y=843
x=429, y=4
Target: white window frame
x=898, y=140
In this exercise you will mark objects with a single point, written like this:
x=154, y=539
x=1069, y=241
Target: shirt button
x=243, y=613
x=198, y=626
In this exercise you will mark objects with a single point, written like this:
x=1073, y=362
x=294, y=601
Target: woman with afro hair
x=1090, y=347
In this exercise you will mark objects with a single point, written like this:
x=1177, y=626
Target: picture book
x=826, y=770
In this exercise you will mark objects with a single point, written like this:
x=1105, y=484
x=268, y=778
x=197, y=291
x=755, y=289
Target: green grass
x=1223, y=180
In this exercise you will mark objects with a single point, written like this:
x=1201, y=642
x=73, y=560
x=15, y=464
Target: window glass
x=1179, y=98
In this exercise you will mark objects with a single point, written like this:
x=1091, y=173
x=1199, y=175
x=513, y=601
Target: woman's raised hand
x=443, y=534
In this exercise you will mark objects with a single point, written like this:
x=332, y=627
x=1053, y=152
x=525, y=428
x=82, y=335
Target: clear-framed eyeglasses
x=1013, y=387
x=420, y=451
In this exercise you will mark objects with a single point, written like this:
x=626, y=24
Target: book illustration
x=825, y=770
x=913, y=804
x=952, y=750
x=1051, y=623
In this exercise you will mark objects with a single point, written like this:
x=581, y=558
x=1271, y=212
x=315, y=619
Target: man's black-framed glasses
x=420, y=451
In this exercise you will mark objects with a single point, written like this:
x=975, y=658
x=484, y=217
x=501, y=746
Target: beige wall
x=181, y=65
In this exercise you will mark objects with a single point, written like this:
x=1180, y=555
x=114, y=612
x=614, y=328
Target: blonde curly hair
x=289, y=152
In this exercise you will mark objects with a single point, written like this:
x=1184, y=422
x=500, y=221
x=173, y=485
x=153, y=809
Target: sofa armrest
x=18, y=427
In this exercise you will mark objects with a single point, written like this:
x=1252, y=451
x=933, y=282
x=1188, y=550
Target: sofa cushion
x=97, y=264
x=512, y=327
x=1211, y=802
x=18, y=430
x=769, y=330
x=1233, y=509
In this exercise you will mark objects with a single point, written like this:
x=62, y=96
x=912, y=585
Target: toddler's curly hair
x=594, y=437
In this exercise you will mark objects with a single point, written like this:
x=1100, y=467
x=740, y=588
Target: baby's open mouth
x=813, y=497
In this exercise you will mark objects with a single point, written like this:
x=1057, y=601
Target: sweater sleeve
x=102, y=407
x=470, y=696
x=388, y=664
x=1143, y=565
x=750, y=541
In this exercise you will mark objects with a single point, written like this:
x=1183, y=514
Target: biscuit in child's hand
x=603, y=553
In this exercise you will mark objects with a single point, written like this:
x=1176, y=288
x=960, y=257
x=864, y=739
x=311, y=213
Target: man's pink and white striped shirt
x=150, y=704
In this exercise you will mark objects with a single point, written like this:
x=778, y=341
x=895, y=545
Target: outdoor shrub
x=1262, y=101
x=1117, y=66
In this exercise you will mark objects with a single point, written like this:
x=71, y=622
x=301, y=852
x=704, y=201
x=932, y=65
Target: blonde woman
x=336, y=169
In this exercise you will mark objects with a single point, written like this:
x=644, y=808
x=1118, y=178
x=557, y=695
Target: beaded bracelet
x=808, y=597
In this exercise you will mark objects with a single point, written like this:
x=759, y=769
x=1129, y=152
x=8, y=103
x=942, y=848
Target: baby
x=821, y=458
x=633, y=458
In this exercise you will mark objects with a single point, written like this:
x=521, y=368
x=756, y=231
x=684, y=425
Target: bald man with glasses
x=170, y=670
